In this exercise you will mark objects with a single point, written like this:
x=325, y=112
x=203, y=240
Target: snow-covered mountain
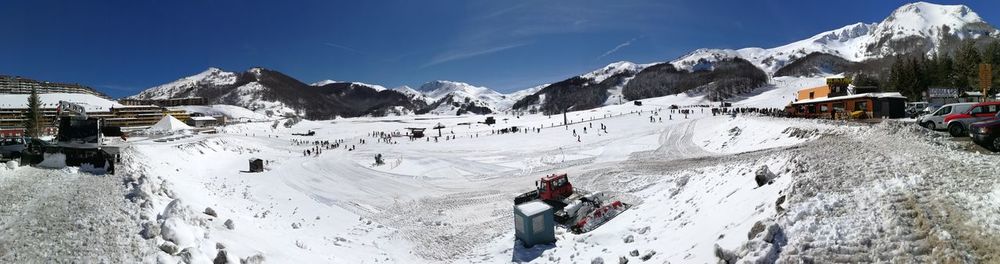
x=612, y=69
x=915, y=27
x=449, y=97
x=218, y=86
x=273, y=93
x=409, y=91
x=323, y=82
x=188, y=86
x=627, y=69
x=593, y=89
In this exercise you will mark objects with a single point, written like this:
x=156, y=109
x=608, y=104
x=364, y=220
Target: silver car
x=935, y=120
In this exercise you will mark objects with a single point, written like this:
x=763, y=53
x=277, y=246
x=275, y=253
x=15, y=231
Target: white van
x=935, y=120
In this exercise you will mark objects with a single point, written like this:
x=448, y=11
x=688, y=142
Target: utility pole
x=565, y=120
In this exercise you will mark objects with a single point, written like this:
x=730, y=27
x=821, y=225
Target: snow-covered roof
x=51, y=100
x=203, y=118
x=853, y=96
x=533, y=207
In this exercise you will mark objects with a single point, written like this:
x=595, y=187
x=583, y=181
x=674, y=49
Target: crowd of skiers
x=317, y=146
x=775, y=112
x=654, y=115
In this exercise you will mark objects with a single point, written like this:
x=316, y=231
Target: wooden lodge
x=857, y=106
x=839, y=100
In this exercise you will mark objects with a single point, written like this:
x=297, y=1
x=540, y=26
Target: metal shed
x=256, y=165
x=534, y=223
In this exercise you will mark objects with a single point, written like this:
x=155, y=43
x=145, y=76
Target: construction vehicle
x=577, y=210
x=79, y=139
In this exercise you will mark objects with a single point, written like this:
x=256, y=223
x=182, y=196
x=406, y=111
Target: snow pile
x=96, y=169
x=12, y=164
x=168, y=124
x=743, y=134
x=177, y=231
x=73, y=217
x=53, y=161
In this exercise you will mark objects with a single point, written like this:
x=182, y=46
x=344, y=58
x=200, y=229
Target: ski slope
x=690, y=181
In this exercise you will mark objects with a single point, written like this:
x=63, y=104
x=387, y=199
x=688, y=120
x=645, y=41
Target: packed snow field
x=836, y=192
x=62, y=216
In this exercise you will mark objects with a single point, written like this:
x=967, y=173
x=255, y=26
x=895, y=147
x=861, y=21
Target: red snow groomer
x=577, y=210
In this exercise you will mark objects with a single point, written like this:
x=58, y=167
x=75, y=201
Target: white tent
x=168, y=124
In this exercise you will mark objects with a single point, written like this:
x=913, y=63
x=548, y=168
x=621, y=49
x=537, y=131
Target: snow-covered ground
x=691, y=182
x=49, y=215
x=838, y=192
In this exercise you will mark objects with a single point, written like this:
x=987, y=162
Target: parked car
x=930, y=109
x=913, y=109
x=935, y=120
x=986, y=133
x=958, y=124
x=12, y=147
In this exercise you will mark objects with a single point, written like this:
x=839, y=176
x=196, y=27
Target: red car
x=958, y=123
x=986, y=133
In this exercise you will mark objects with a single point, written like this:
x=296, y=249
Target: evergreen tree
x=967, y=67
x=862, y=79
x=895, y=75
x=991, y=55
x=33, y=118
x=943, y=72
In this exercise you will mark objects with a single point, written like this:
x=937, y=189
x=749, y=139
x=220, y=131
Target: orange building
x=813, y=93
x=866, y=105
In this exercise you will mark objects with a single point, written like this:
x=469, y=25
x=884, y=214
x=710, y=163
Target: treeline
x=575, y=93
x=466, y=106
x=727, y=78
x=816, y=63
x=913, y=75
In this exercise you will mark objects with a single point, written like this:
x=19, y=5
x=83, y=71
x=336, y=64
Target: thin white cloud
x=616, y=48
x=346, y=48
x=504, y=11
x=465, y=54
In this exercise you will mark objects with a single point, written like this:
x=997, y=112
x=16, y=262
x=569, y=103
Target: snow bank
x=12, y=164
x=53, y=161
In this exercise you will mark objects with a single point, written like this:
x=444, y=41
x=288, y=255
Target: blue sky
x=122, y=47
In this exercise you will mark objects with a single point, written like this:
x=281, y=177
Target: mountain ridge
x=913, y=28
